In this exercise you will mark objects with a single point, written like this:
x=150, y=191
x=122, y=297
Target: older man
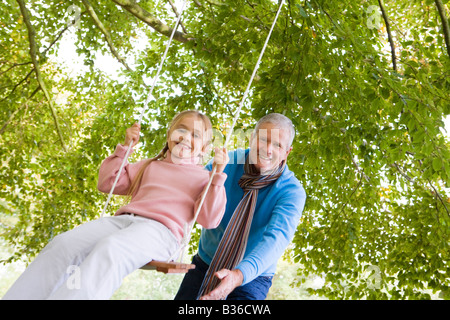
x=238, y=259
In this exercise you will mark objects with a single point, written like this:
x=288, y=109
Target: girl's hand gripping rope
x=220, y=159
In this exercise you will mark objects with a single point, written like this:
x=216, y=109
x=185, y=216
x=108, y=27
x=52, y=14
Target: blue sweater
x=277, y=214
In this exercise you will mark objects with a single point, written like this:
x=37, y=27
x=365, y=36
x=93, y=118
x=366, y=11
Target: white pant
x=90, y=261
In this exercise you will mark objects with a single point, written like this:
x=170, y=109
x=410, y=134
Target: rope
x=149, y=96
x=187, y=236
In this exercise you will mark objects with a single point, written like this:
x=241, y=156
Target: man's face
x=268, y=147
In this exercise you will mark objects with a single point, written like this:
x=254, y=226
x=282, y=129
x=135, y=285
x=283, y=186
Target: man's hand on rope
x=230, y=279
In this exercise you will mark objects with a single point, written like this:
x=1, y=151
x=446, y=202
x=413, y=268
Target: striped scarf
x=231, y=248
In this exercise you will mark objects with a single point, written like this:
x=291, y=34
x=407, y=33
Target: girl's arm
x=109, y=170
x=214, y=205
x=111, y=165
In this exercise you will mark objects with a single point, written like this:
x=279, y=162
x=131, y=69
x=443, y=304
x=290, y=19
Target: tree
x=366, y=84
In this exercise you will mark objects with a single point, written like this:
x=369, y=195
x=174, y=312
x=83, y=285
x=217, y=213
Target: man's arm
x=277, y=236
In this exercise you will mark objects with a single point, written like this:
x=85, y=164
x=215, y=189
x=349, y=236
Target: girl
x=90, y=261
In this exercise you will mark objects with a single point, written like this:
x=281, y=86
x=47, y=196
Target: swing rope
x=144, y=109
x=187, y=235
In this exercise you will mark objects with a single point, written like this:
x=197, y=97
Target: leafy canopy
x=365, y=83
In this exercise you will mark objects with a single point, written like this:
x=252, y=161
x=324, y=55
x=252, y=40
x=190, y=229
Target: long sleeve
x=279, y=232
x=214, y=204
x=167, y=193
x=109, y=169
x=277, y=214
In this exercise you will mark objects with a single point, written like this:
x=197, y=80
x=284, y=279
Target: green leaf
x=385, y=93
x=437, y=165
x=302, y=11
x=367, y=137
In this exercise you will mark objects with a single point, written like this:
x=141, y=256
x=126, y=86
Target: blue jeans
x=254, y=290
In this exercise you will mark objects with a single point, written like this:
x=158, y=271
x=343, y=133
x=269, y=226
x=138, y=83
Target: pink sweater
x=168, y=193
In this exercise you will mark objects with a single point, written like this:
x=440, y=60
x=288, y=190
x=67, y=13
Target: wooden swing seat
x=168, y=267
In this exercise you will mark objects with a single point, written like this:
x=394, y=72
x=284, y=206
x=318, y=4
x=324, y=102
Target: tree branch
x=33, y=54
x=17, y=85
x=177, y=14
x=17, y=111
x=132, y=7
x=356, y=165
x=106, y=34
x=59, y=36
x=395, y=165
x=15, y=65
x=198, y=4
x=436, y=193
x=108, y=39
x=388, y=30
x=445, y=27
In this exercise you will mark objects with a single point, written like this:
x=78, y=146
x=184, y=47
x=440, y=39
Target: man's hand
x=230, y=279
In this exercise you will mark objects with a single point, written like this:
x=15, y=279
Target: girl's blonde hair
x=207, y=136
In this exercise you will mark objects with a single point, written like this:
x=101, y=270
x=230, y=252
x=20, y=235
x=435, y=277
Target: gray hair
x=280, y=121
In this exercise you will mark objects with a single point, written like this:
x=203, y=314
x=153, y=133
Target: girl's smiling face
x=186, y=137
